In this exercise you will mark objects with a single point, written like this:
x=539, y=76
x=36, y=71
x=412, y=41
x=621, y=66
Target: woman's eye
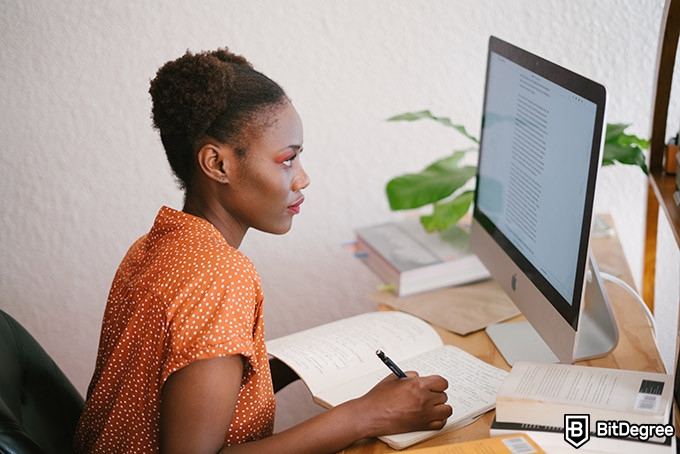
x=287, y=159
x=289, y=162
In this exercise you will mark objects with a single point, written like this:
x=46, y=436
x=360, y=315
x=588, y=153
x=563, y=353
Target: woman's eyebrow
x=288, y=152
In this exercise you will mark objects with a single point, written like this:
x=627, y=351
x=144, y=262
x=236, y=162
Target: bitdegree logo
x=577, y=430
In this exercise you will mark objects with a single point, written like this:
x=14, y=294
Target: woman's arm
x=393, y=406
x=197, y=404
x=198, y=401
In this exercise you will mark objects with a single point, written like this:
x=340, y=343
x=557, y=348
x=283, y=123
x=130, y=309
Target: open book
x=337, y=362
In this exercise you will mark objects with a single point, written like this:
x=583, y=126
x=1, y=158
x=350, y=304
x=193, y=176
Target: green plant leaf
x=613, y=131
x=436, y=182
x=446, y=214
x=624, y=148
x=624, y=154
x=426, y=114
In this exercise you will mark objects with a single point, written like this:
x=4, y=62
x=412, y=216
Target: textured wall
x=82, y=173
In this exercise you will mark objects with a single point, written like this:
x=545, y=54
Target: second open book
x=337, y=362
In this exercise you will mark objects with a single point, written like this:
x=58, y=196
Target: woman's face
x=265, y=191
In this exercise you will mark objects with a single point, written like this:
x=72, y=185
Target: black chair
x=39, y=407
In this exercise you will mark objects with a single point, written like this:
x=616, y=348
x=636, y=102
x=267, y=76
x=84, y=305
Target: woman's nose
x=301, y=180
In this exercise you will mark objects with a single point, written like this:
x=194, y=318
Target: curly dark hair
x=214, y=94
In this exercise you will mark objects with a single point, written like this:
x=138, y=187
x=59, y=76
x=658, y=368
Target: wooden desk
x=636, y=350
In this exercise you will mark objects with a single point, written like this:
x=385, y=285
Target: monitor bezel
x=593, y=92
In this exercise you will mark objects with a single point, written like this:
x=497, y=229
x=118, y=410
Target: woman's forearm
x=328, y=432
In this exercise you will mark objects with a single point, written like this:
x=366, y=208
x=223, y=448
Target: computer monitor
x=539, y=155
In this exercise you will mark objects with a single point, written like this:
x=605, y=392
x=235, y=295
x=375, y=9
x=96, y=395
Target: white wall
x=82, y=173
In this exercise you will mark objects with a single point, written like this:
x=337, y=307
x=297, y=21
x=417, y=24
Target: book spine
x=378, y=264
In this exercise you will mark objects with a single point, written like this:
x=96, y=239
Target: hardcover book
x=542, y=393
x=507, y=444
x=411, y=260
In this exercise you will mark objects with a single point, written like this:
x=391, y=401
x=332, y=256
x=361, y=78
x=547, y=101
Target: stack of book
x=591, y=409
x=411, y=260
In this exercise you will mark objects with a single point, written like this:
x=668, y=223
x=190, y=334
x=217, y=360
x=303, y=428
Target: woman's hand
x=408, y=404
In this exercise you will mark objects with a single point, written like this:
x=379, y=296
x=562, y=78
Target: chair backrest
x=39, y=407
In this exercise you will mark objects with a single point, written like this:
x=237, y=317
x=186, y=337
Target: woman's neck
x=230, y=229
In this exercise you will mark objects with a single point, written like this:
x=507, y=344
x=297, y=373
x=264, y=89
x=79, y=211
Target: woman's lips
x=295, y=208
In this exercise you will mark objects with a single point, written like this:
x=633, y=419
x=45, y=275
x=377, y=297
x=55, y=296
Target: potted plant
x=446, y=184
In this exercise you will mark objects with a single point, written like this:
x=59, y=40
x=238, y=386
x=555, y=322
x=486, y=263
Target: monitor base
x=519, y=341
x=598, y=333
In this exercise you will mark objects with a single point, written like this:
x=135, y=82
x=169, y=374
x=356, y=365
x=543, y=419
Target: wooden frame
x=661, y=186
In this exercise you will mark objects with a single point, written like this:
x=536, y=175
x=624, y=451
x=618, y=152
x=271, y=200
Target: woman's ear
x=213, y=161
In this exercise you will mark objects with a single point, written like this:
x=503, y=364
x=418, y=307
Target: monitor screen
x=541, y=139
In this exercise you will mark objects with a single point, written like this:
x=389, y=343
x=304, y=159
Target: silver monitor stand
x=597, y=333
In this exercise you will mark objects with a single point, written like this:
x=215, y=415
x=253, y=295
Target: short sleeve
x=214, y=315
x=181, y=294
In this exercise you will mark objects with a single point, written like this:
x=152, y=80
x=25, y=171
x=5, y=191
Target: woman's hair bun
x=216, y=94
x=190, y=92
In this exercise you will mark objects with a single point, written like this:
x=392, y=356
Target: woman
x=182, y=364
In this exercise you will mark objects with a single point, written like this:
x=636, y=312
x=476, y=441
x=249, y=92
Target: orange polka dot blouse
x=181, y=294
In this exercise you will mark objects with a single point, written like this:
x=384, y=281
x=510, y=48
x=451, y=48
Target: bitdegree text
x=642, y=432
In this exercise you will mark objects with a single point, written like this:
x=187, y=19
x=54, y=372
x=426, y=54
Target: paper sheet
x=462, y=310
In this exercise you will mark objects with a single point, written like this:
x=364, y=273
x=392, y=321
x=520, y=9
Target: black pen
x=389, y=363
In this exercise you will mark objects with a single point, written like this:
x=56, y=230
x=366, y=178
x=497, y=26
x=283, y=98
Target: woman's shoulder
x=189, y=246
x=208, y=250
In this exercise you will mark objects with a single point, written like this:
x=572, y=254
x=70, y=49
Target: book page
x=473, y=386
x=472, y=382
x=329, y=355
